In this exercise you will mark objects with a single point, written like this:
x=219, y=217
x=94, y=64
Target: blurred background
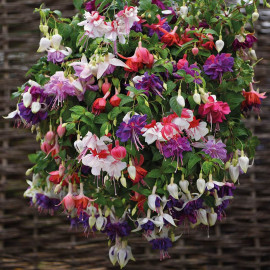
x=29, y=240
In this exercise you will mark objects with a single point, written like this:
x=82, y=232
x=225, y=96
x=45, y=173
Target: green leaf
x=124, y=99
x=209, y=200
x=155, y=173
x=175, y=106
x=78, y=4
x=114, y=113
x=100, y=119
x=105, y=128
x=79, y=110
x=207, y=167
x=32, y=158
x=169, y=67
x=193, y=161
x=89, y=97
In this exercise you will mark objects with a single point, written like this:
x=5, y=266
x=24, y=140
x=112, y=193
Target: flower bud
x=118, y=152
x=183, y=11
x=184, y=185
x=29, y=171
x=212, y=218
x=195, y=51
x=49, y=137
x=44, y=45
x=115, y=100
x=234, y=172
x=252, y=54
x=197, y=98
x=56, y=41
x=201, y=184
x=57, y=188
x=173, y=189
x=202, y=215
x=35, y=107
x=61, y=131
x=123, y=181
x=219, y=44
x=180, y=100
x=255, y=15
x=243, y=162
x=132, y=172
x=92, y=221
x=45, y=29
x=27, y=99
x=106, y=86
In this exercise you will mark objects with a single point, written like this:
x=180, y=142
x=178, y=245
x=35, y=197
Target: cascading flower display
x=139, y=117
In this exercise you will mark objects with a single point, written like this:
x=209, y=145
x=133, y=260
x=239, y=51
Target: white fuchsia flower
x=124, y=254
x=197, y=129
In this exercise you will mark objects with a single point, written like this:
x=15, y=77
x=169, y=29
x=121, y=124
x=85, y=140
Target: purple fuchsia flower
x=131, y=129
x=120, y=229
x=35, y=110
x=216, y=66
x=90, y=6
x=56, y=57
x=46, y=203
x=244, y=42
x=215, y=149
x=175, y=147
x=60, y=88
x=137, y=27
x=150, y=83
x=148, y=226
x=163, y=244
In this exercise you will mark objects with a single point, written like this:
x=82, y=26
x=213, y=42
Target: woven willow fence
x=29, y=240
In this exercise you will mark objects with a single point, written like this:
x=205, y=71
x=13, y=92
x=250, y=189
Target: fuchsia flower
x=68, y=201
x=155, y=28
x=118, y=152
x=59, y=87
x=214, y=110
x=252, y=100
x=216, y=66
x=170, y=38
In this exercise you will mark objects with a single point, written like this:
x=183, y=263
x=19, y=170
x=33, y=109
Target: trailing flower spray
x=138, y=111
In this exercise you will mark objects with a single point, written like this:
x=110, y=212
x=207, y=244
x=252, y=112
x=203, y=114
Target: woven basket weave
x=29, y=240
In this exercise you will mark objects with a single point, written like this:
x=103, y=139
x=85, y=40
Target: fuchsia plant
x=138, y=110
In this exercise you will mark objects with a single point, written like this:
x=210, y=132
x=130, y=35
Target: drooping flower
x=175, y=147
x=244, y=42
x=150, y=83
x=214, y=110
x=170, y=38
x=140, y=172
x=216, y=66
x=253, y=100
x=197, y=129
x=59, y=87
x=132, y=129
x=215, y=149
x=155, y=28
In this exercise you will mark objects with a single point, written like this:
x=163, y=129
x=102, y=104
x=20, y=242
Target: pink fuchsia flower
x=182, y=62
x=152, y=132
x=216, y=66
x=99, y=106
x=214, y=110
x=118, y=152
x=68, y=201
x=197, y=129
x=115, y=168
x=59, y=87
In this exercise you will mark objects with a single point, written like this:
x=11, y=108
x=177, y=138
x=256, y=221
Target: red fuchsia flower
x=115, y=100
x=182, y=62
x=252, y=100
x=140, y=199
x=214, y=110
x=170, y=38
x=155, y=27
x=99, y=104
x=81, y=201
x=118, y=152
x=57, y=176
x=185, y=37
x=140, y=172
x=68, y=201
x=141, y=57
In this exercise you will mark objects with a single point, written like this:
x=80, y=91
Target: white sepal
x=35, y=107
x=44, y=45
x=27, y=99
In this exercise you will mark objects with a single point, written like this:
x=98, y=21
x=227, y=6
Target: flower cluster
x=139, y=119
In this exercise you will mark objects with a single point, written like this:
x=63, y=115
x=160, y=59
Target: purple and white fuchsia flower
x=59, y=87
x=56, y=52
